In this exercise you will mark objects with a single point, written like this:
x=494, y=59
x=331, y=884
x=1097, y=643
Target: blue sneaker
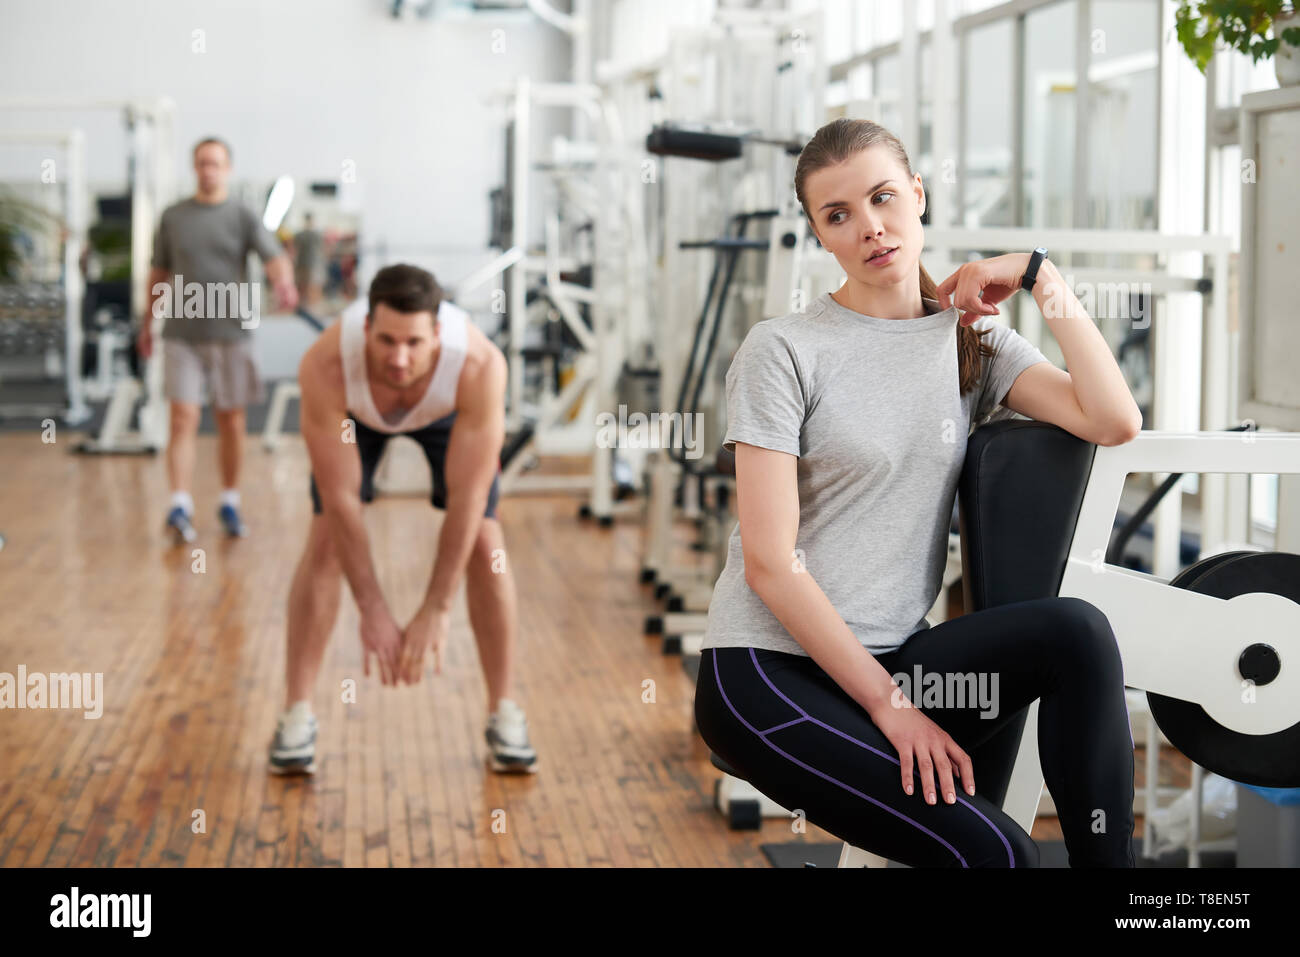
x=179, y=523
x=231, y=521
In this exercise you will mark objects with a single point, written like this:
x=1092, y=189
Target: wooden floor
x=193, y=679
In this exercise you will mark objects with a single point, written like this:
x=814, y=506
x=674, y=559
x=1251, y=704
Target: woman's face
x=864, y=206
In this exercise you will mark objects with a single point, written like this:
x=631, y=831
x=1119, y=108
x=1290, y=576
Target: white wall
x=297, y=87
x=639, y=28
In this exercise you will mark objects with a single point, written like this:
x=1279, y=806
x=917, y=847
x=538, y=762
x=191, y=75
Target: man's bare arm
x=279, y=270
x=336, y=466
x=145, y=336
x=473, y=458
x=157, y=277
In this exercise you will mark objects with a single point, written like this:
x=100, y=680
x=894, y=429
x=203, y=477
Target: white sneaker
x=507, y=738
x=293, y=749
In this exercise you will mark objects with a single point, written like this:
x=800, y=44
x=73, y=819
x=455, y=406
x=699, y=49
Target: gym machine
x=41, y=319
x=150, y=185
x=592, y=180
x=688, y=596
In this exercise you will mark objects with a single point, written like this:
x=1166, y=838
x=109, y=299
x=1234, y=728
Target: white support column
x=610, y=242
x=909, y=102
x=147, y=203
x=1082, y=111
x=943, y=113
x=1225, y=499
x=74, y=287
x=1288, y=514
x=1177, y=336
x=519, y=226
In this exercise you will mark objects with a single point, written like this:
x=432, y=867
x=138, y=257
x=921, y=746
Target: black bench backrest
x=1018, y=502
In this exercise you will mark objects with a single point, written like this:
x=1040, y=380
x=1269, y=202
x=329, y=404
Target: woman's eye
x=835, y=218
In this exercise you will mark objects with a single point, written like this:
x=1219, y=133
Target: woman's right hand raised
x=919, y=740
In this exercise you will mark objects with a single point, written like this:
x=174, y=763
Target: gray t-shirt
x=208, y=243
x=871, y=408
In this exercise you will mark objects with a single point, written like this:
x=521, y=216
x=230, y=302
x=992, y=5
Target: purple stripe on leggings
x=862, y=744
x=762, y=735
x=783, y=724
x=807, y=767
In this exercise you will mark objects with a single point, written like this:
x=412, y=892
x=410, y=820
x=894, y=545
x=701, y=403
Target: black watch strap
x=1031, y=274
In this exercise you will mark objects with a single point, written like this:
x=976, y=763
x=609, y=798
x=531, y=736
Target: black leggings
x=792, y=732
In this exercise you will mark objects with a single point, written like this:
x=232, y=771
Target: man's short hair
x=230, y=156
x=406, y=288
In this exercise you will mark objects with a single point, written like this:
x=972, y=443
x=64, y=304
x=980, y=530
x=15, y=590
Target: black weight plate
x=1265, y=760
x=1188, y=576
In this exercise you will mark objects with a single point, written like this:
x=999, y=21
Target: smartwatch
x=1031, y=274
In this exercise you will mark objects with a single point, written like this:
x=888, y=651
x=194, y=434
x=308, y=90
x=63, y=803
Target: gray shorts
x=225, y=371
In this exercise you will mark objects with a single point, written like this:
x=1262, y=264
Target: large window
x=922, y=152
x=1047, y=133
x=839, y=20
x=985, y=186
x=1026, y=157
x=1122, y=90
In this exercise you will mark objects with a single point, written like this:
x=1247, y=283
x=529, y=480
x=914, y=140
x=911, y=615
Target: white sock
x=299, y=711
x=230, y=496
x=183, y=501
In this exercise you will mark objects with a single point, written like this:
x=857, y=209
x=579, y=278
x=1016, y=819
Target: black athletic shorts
x=433, y=438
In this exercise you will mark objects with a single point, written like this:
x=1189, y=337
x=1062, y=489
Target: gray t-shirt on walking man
x=209, y=243
x=871, y=408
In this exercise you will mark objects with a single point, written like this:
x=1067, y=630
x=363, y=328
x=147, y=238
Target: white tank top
x=439, y=399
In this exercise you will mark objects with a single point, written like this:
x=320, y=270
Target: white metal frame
x=1173, y=641
x=1160, y=628
x=595, y=369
